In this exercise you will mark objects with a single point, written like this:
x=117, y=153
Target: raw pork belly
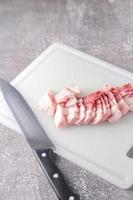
x=48, y=103
x=67, y=107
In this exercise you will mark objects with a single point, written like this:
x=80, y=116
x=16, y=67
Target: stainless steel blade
x=34, y=133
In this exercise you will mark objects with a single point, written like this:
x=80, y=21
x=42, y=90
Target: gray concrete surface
x=103, y=28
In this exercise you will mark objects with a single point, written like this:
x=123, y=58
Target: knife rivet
x=55, y=175
x=71, y=198
x=44, y=155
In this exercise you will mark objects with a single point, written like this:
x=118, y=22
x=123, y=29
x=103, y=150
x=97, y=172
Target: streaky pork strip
x=104, y=108
x=75, y=90
x=90, y=103
x=98, y=113
x=108, y=113
x=71, y=102
x=123, y=106
x=48, y=103
x=115, y=112
x=129, y=101
x=126, y=89
x=81, y=114
x=88, y=113
x=64, y=95
x=110, y=96
x=92, y=97
x=59, y=117
x=127, y=93
x=72, y=114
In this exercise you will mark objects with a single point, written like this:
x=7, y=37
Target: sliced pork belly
x=104, y=108
x=88, y=100
x=112, y=98
x=67, y=107
x=88, y=113
x=115, y=112
x=71, y=102
x=123, y=107
x=127, y=94
x=98, y=113
x=93, y=114
x=48, y=103
x=129, y=101
x=114, y=108
x=92, y=97
x=75, y=90
x=59, y=117
x=108, y=113
x=81, y=114
x=126, y=89
x=107, y=90
x=64, y=95
x=72, y=114
x=117, y=99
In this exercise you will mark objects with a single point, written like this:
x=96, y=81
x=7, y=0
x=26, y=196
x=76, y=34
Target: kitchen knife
x=38, y=140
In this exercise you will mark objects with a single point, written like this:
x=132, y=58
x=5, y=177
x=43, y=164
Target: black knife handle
x=54, y=175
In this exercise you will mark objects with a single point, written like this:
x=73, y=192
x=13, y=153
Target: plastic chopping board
x=100, y=149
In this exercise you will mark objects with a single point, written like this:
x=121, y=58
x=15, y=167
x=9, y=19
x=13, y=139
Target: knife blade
x=37, y=138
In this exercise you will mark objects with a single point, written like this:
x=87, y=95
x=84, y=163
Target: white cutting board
x=101, y=148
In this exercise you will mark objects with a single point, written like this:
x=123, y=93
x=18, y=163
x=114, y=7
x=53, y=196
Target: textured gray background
x=103, y=28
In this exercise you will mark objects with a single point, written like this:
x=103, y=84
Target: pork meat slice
x=88, y=113
x=115, y=112
x=48, y=103
x=114, y=108
x=72, y=114
x=116, y=98
x=127, y=94
x=59, y=117
x=126, y=89
x=90, y=103
x=123, y=106
x=104, y=108
x=75, y=90
x=93, y=114
x=71, y=102
x=108, y=113
x=81, y=114
x=64, y=95
x=129, y=101
x=98, y=114
x=110, y=95
x=92, y=97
